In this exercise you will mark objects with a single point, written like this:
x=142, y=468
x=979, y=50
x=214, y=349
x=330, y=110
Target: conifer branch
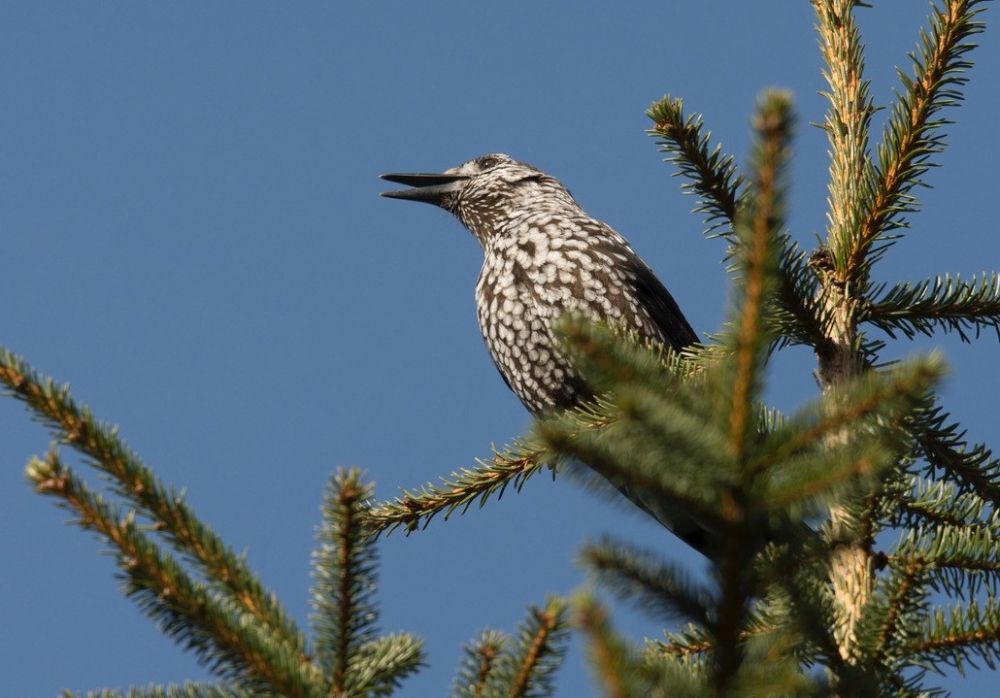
x=414, y=509
x=613, y=661
x=799, y=604
x=737, y=392
x=639, y=474
x=967, y=630
x=540, y=646
x=797, y=317
x=850, y=181
x=251, y=657
x=879, y=628
x=189, y=689
x=910, y=138
x=757, y=249
x=676, y=677
x=658, y=588
x=800, y=448
x=514, y=465
x=611, y=355
x=379, y=666
x=965, y=583
x=694, y=641
x=887, y=396
x=584, y=433
x=967, y=547
x=771, y=666
x=945, y=303
x=940, y=503
x=825, y=477
x=476, y=677
x=712, y=174
x=911, y=512
x=714, y=179
x=942, y=442
x=642, y=382
x=689, y=644
x=605, y=653
x=847, y=123
x=135, y=481
x=344, y=570
x=689, y=441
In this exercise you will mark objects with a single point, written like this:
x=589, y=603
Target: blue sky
x=193, y=239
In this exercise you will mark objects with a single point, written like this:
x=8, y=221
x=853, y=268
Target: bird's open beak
x=429, y=188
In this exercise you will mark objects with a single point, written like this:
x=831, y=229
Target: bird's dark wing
x=648, y=292
x=661, y=306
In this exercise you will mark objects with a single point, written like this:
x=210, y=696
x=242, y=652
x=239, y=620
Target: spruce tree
x=857, y=543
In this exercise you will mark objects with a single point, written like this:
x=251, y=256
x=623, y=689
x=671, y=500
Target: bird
x=544, y=257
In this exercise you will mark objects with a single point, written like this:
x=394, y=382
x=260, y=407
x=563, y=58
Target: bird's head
x=483, y=193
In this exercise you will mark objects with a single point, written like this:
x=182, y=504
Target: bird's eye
x=488, y=162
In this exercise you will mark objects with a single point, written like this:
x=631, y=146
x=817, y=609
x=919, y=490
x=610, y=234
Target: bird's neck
x=512, y=218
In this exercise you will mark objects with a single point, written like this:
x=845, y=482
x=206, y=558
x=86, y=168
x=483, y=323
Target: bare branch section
x=135, y=481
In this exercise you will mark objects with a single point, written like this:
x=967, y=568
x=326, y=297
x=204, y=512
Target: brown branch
x=487, y=655
x=913, y=567
x=594, y=621
x=772, y=125
x=347, y=497
x=547, y=622
x=990, y=634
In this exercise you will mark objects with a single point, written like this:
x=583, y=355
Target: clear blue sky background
x=193, y=238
